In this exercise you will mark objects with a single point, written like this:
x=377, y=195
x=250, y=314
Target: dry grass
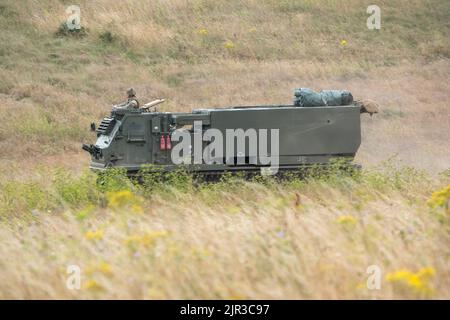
x=53, y=87
x=242, y=240
x=232, y=240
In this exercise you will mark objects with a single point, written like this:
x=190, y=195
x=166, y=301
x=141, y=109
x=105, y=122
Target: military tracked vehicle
x=292, y=136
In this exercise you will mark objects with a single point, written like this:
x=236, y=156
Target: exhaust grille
x=106, y=126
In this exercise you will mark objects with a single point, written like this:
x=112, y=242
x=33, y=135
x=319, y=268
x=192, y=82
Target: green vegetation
x=67, y=190
x=166, y=232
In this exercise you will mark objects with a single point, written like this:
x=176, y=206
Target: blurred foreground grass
x=260, y=238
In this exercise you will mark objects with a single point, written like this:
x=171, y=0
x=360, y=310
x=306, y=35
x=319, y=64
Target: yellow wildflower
x=343, y=43
x=203, y=31
x=229, y=45
x=120, y=199
x=147, y=240
x=419, y=282
x=440, y=198
x=103, y=267
x=361, y=285
x=94, y=234
x=137, y=209
x=91, y=284
x=347, y=220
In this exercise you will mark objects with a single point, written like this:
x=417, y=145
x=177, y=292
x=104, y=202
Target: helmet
x=131, y=92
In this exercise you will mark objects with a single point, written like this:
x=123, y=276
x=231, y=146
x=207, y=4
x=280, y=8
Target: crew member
x=132, y=102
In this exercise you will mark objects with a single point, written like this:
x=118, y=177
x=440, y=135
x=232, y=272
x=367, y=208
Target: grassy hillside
x=235, y=239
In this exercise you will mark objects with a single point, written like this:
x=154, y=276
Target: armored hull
x=295, y=136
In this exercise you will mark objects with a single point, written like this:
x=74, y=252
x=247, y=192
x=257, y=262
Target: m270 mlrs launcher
x=315, y=129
